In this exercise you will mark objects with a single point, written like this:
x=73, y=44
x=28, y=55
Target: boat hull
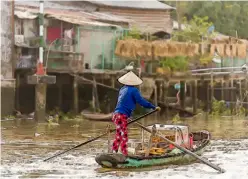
x=118, y=161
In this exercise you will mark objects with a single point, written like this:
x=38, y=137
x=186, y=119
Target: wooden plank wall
x=150, y=20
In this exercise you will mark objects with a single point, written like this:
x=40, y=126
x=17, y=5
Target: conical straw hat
x=130, y=79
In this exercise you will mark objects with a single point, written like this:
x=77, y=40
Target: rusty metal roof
x=71, y=16
x=135, y=4
x=25, y=14
x=105, y=17
x=79, y=21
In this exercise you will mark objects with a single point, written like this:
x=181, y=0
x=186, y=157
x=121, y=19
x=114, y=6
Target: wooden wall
x=144, y=20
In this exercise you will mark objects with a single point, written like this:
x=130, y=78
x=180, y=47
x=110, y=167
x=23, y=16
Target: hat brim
x=130, y=79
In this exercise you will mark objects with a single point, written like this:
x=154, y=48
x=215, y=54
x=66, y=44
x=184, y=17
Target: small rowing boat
x=155, y=151
x=97, y=116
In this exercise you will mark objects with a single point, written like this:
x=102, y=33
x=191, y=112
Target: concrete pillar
x=7, y=61
x=40, y=101
x=41, y=79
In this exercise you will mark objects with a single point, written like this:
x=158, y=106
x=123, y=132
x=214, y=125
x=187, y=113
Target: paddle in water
x=91, y=140
x=184, y=149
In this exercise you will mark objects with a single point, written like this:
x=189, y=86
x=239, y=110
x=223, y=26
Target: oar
x=185, y=150
x=91, y=140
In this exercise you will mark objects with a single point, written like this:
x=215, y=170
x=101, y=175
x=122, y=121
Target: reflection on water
x=25, y=144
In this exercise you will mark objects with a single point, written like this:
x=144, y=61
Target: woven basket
x=212, y=49
x=196, y=51
x=228, y=50
x=234, y=50
x=241, y=50
x=221, y=49
x=119, y=47
x=191, y=50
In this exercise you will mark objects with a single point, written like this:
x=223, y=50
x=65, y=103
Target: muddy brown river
x=25, y=143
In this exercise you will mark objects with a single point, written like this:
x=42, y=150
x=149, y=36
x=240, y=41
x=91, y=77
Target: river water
x=24, y=144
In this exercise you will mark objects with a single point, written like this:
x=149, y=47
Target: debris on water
x=85, y=135
x=75, y=126
x=36, y=134
x=53, y=124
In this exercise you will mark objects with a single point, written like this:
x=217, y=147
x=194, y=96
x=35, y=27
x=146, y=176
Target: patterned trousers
x=121, y=137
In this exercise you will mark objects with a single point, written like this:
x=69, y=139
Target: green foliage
x=178, y=63
x=205, y=59
x=134, y=33
x=227, y=16
x=218, y=107
x=92, y=107
x=195, y=29
x=9, y=117
x=176, y=119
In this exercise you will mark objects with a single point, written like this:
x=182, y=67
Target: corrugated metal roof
x=136, y=4
x=80, y=21
x=25, y=14
x=105, y=17
x=86, y=16
x=47, y=4
x=74, y=17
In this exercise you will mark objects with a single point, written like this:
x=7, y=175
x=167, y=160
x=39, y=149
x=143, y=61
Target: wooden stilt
x=160, y=91
x=75, y=95
x=240, y=90
x=211, y=91
x=182, y=94
x=156, y=98
x=166, y=91
x=60, y=95
x=222, y=89
x=246, y=93
x=95, y=95
x=232, y=97
x=194, y=96
x=18, y=91
x=191, y=89
x=113, y=82
x=207, y=99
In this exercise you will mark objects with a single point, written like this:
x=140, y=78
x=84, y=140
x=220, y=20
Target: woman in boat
x=129, y=95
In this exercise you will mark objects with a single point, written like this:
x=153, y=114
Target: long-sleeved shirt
x=128, y=97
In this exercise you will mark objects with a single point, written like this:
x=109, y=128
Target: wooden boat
x=160, y=152
x=97, y=116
